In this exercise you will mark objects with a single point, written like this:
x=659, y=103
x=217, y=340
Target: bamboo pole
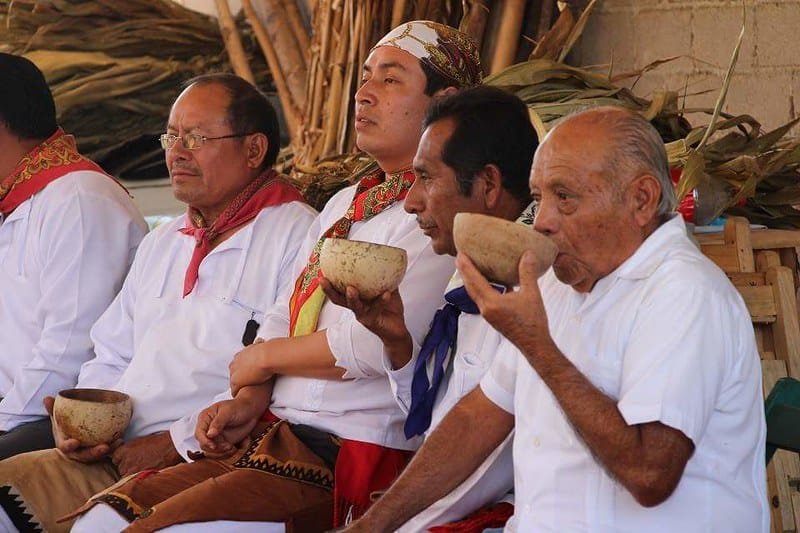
x=290, y=111
x=293, y=64
x=297, y=25
x=398, y=12
x=233, y=44
x=507, y=34
x=350, y=74
x=321, y=70
x=332, y=124
x=420, y=9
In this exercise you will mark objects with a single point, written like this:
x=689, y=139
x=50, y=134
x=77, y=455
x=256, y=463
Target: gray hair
x=637, y=149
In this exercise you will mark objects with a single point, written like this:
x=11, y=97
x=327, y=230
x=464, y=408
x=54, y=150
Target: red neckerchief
x=375, y=193
x=55, y=157
x=267, y=190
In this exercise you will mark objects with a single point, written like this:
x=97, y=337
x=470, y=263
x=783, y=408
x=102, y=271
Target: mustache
x=185, y=168
x=422, y=223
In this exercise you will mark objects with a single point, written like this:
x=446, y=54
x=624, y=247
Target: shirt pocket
x=468, y=369
x=606, y=374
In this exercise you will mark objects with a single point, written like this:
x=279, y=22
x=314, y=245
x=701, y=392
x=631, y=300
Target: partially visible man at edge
x=330, y=383
x=633, y=382
x=474, y=157
x=196, y=292
x=68, y=233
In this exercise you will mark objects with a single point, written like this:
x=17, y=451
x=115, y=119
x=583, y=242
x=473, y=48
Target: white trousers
x=103, y=519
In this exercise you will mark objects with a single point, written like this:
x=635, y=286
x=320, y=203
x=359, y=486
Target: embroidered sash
x=55, y=157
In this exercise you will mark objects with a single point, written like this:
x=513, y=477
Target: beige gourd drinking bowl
x=371, y=268
x=92, y=416
x=495, y=245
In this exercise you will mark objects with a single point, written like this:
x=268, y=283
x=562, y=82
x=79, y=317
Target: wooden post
x=298, y=27
x=233, y=44
x=274, y=18
x=398, y=12
x=290, y=111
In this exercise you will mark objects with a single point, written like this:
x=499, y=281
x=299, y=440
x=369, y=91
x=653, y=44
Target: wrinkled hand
x=72, y=448
x=518, y=315
x=383, y=315
x=224, y=425
x=143, y=453
x=248, y=366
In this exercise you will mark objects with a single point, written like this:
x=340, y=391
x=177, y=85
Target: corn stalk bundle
x=115, y=68
x=743, y=171
x=740, y=170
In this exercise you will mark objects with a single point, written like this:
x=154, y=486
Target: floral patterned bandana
x=449, y=52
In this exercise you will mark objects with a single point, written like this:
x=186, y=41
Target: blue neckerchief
x=439, y=342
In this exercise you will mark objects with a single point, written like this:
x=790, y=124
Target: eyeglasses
x=192, y=141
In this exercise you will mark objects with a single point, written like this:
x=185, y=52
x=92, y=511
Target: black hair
x=249, y=110
x=26, y=104
x=435, y=81
x=491, y=127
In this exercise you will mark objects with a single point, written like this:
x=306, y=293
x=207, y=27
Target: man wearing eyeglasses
x=198, y=288
x=68, y=233
x=333, y=433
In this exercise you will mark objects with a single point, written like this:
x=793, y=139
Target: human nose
x=365, y=94
x=177, y=152
x=546, y=218
x=413, y=201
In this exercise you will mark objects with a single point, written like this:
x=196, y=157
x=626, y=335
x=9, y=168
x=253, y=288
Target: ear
x=489, y=184
x=643, y=196
x=445, y=91
x=256, y=146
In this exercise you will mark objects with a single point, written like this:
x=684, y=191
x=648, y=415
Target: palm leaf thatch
x=115, y=68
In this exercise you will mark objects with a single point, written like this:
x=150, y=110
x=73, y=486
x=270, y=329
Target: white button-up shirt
x=170, y=353
x=476, y=347
x=668, y=337
x=361, y=406
x=64, y=253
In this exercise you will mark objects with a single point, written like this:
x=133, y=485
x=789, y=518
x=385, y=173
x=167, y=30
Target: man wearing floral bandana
x=68, y=232
x=333, y=433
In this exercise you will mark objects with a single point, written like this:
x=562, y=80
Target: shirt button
x=527, y=508
x=536, y=442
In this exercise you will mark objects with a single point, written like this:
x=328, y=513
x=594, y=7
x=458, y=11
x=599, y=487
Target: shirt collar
x=651, y=253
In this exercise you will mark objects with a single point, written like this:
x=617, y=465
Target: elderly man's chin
x=569, y=273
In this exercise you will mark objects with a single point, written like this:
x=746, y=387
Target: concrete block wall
x=625, y=35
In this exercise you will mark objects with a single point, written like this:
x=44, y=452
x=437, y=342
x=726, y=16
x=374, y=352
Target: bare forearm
x=443, y=462
x=257, y=396
x=307, y=356
x=648, y=459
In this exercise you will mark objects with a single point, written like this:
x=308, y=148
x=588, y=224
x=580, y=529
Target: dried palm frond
x=115, y=68
x=322, y=180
